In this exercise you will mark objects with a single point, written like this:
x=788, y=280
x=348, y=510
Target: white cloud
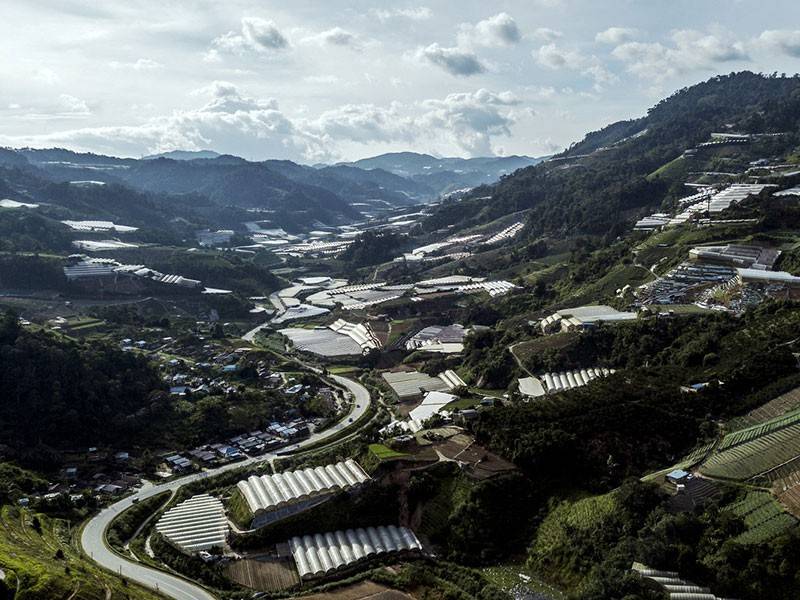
x=553, y=57
x=73, y=106
x=472, y=119
x=545, y=34
x=783, y=40
x=326, y=79
x=232, y=122
x=498, y=30
x=46, y=75
x=256, y=35
x=336, y=37
x=455, y=61
x=418, y=13
x=556, y=58
x=616, y=35
x=142, y=64
x=691, y=50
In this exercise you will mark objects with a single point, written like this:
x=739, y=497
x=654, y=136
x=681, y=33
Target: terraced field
x=763, y=517
x=774, y=408
x=751, y=433
x=42, y=563
x=765, y=451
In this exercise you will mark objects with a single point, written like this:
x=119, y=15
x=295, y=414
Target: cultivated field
x=762, y=449
x=755, y=457
x=763, y=517
x=41, y=562
x=774, y=408
x=759, y=430
x=361, y=591
x=264, y=573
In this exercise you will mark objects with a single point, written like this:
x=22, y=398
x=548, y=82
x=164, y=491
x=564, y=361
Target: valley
x=407, y=376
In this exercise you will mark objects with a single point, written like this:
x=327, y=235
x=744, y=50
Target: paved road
x=93, y=535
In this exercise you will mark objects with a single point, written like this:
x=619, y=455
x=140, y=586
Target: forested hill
x=617, y=173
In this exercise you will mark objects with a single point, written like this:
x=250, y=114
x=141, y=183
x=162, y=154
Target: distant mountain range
x=288, y=194
x=443, y=175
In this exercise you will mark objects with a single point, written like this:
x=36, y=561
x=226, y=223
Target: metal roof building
x=325, y=553
x=196, y=524
x=676, y=588
x=271, y=492
x=413, y=384
x=551, y=383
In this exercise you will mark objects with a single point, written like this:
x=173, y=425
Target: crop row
x=753, y=458
x=751, y=433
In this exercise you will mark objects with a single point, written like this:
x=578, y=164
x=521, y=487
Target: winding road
x=93, y=538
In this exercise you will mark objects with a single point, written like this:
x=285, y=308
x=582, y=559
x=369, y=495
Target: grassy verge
x=126, y=524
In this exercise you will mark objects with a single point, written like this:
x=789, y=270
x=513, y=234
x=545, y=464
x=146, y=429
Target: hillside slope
x=615, y=174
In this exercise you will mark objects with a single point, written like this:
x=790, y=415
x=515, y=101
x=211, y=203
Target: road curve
x=93, y=539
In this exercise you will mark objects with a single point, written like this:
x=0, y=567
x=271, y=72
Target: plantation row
x=774, y=408
x=751, y=433
x=763, y=517
x=753, y=458
x=791, y=499
x=768, y=529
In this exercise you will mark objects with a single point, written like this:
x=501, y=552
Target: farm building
x=573, y=319
x=340, y=338
x=410, y=385
x=327, y=553
x=733, y=255
x=196, y=524
x=550, y=383
x=433, y=404
x=271, y=497
x=767, y=277
x=438, y=338
x=673, y=585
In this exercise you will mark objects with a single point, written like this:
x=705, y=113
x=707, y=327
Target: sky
x=339, y=80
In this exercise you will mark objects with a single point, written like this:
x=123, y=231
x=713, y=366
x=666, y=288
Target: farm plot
x=763, y=517
x=755, y=457
x=264, y=573
x=777, y=407
x=790, y=498
x=756, y=431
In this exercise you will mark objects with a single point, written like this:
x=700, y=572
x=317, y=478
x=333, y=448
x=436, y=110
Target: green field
x=586, y=514
x=763, y=517
x=44, y=562
x=755, y=457
x=756, y=431
x=384, y=452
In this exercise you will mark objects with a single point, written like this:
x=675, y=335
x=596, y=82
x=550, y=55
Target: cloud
x=553, y=57
x=73, y=106
x=419, y=13
x=336, y=37
x=472, y=119
x=616, y=35
x=783, y=40
x=455, y=61
x=691, y=50
x=545, y=34
x=256, y=35
x=66, y=106
x=142, y=64
x=231, y=121
x=498, y=30
x=326, y=79
x=46, y=75
x=556, y=58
